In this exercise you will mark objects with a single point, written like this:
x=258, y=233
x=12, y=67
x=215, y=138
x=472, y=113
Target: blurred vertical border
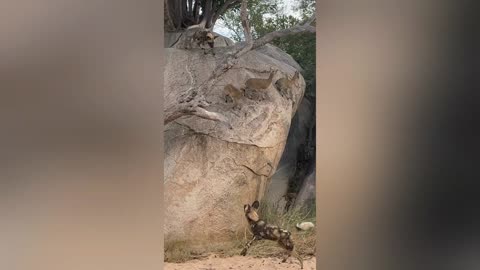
x=397, y=138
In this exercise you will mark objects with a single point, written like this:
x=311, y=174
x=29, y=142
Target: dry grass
x=304, y=241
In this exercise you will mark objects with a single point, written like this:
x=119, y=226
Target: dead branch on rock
x=194, y=109
x=227, y=5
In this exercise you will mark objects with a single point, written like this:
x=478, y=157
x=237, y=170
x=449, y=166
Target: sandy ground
x=240, y=262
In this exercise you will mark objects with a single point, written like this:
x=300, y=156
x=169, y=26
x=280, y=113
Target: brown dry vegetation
x=304, y=241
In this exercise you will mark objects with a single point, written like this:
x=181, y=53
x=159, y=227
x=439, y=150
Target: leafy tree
x=269, y=15
x=180, y=14
x=307, y=8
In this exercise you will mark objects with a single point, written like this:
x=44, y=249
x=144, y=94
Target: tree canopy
x=267, y=16
x=180, y=14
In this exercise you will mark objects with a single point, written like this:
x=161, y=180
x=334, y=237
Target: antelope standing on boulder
x=262, y=230
x=283, y=84
x=234, y=93
x=259, y=84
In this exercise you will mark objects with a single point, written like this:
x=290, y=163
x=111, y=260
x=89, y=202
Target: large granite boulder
x=211, y=171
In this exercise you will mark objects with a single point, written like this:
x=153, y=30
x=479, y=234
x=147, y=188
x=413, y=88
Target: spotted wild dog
x=262, y=230
x=205, y=37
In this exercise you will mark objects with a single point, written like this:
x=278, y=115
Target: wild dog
x=205, y=37
x=262, y=230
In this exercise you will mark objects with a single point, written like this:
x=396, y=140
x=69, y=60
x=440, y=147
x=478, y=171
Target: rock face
x=307, y=192
x=299, y=128
x=212, y=171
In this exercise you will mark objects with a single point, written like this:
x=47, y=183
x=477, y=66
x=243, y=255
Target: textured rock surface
x=304, y=117
x=210, y=170
x=307, y=192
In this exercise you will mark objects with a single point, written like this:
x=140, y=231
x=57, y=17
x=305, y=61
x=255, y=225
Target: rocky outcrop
x=299, y=129
x=211, y=171
x=306, y=195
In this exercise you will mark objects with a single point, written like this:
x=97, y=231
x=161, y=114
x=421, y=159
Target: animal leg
x=247, y=246
x=289, y=253
x=235, y=105
x=288, y=245
x=296, y=255
x=248, y=93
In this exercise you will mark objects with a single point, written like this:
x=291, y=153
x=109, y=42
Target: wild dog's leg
x=247, y=246
x=288, y=245
x=296, y=255
x=287, y=255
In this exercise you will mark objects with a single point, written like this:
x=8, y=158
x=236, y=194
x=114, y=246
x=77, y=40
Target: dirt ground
x=239, y=262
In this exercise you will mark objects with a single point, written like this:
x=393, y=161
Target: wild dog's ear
x=255, y=204
x=215, y=36
x=246, y=207
x=210, y=35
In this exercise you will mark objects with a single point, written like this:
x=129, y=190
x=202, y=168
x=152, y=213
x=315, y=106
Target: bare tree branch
x=207, y=14
x=228, y=4
x=299, y=28
x=196, y=11
x=203, y=113
x=193, y=102
x=310, y=20
x=190, y=7
x=196, y=110
x=246, y=29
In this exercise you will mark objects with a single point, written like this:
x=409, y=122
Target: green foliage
x=307, y=8
x=257, y=9
x=269, y=15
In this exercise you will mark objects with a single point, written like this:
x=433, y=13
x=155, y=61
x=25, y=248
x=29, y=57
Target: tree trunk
x=196, y=12
x=190, y=8
x=207, y=14
x=168, y=21
x=228, y=4
x=183, y=7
